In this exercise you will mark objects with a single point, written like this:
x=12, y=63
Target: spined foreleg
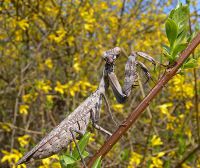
x=130, y=76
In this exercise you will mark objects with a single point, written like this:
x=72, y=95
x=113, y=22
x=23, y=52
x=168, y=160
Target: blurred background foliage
x=50, y=61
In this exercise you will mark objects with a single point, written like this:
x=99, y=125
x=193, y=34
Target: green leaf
x=182, y=36
x=85, y=154
x=125, y=154
x=68, y=159
x=179, y=4
x=169, y=57
x=166, y=48
x=182, y=145
x=97, y=163
x=191, y=63
x=178, y=48
x=167, y=164
x=171, y=31
x=197, y=27
x=82, y=143
x=180, y=15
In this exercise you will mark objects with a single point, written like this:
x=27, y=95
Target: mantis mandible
x=76, y=123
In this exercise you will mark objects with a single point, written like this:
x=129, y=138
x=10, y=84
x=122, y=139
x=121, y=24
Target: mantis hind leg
x=108, y=108
x=96, y=126
x=77, y=147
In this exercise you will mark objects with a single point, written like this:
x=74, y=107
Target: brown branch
x=145, y=102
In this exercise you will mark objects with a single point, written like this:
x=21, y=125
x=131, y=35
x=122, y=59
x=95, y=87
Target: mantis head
x=111, y=55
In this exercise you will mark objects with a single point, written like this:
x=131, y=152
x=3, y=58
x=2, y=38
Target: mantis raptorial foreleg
x=145, y=70
x=131, y=76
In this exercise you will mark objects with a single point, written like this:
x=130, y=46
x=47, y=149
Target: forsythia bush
x=50, y=61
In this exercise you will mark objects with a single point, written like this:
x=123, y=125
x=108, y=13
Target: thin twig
x=15, y=116
x=22, y=129
x=188, y=156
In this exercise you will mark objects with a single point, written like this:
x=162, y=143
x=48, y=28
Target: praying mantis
x=76, y=123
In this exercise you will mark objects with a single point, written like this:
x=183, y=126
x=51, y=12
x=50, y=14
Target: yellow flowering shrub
x=12, y=158
x=51, y=61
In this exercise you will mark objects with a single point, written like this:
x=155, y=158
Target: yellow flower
x=135, y=160
x=118, y=107
x=172, y=154
x=72, y=93
x=160, y=154
x=12, y=158
x=26, y=98
x=49, y=63
x=58, y=37
x=23, y=109
x=76, y=67
x=156, y=162
x=50, y=162
x=5, y=127
x=198, y=162
x=49, y=98
x=92, y=138
x=188, y=105
x=88, y=26
x=103, y=5
x=164, y=108
x=184, y=165
x=44, y=86
x=170, y=126
x=188, y=90
x=23, y=140
x=156, y=141
x=180, y=89
x=70, y=40
x=60, y=88
x=23, y=24
x=198, y=62
x=30, y=97
x=188, y=133
x=178, y=79
x=18, y=35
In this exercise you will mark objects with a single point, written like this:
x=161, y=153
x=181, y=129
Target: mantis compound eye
x=117, y=50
